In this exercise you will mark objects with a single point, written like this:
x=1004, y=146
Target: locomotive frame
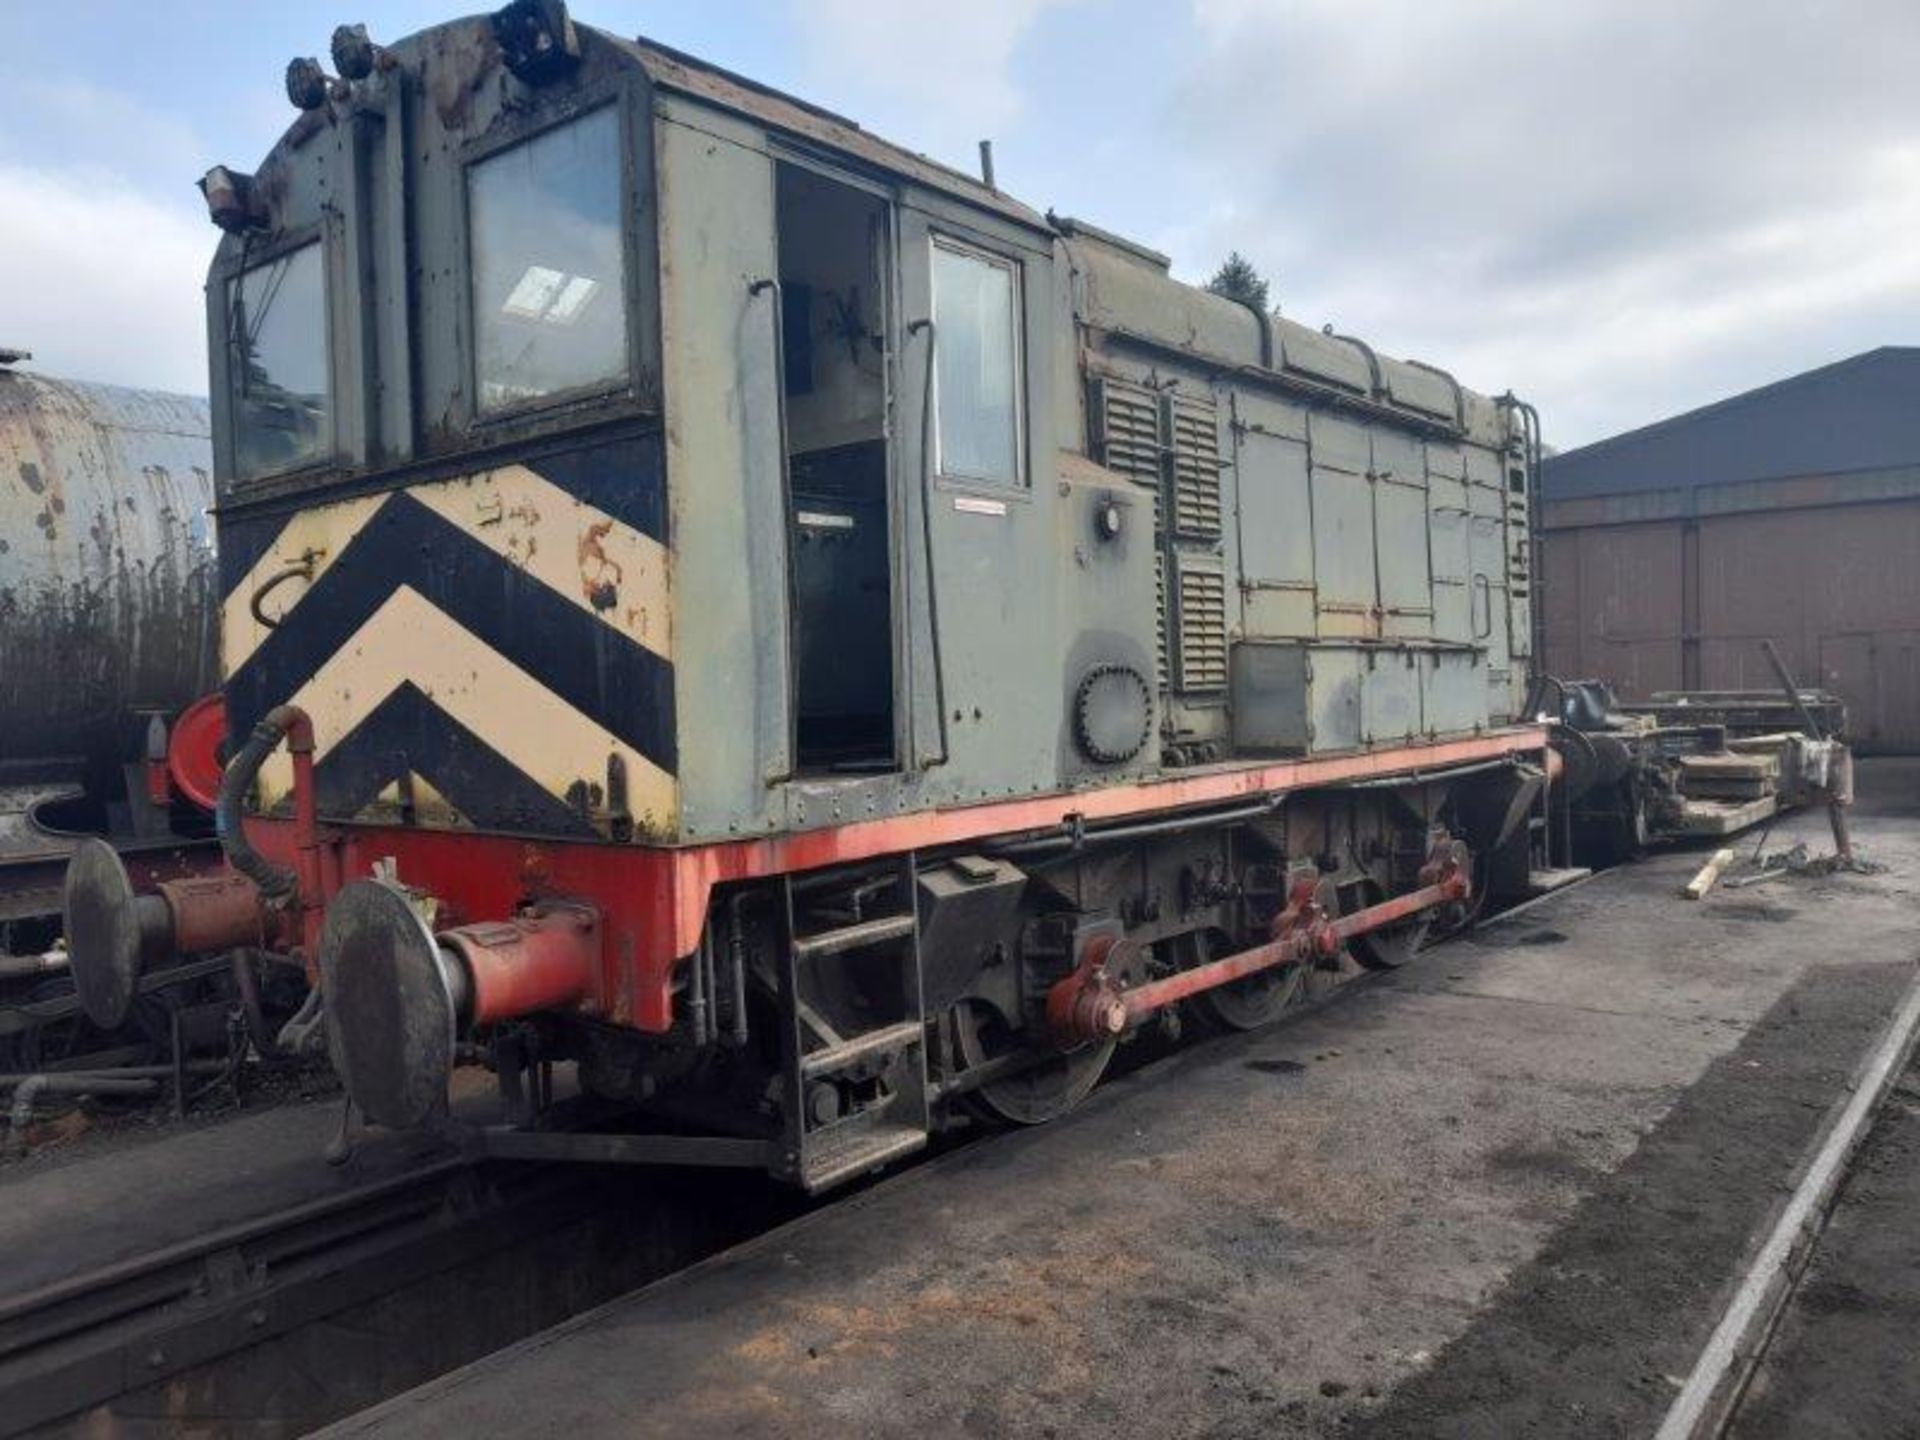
x=841, y=649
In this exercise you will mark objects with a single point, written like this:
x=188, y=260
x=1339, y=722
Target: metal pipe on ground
x=19, y=967
x=118, y=1072
x=32, y=1087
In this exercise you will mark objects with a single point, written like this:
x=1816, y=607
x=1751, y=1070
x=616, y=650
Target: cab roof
x=675, y=70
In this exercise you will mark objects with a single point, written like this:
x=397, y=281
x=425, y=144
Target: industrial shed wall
x=1675, y=589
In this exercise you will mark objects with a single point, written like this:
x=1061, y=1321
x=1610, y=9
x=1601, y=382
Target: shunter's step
x=860, y=1099
x=853, y=937
x=869, y=1046
x=841, y=1152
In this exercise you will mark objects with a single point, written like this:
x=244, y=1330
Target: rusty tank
x=107, y=594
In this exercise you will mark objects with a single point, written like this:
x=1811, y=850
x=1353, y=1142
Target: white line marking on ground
x=1702, y=1404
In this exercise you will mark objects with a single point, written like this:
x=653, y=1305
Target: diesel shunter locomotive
x=769, y=643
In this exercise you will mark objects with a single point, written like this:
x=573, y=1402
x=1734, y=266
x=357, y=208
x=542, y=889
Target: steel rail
x=1711, y=1395
x=20, y=1016
x=81, y=1342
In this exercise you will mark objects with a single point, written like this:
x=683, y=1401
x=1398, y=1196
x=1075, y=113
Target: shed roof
x=1861, y=413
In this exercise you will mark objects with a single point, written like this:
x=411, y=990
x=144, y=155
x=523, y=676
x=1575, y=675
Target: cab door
x=726, y=463
x=975, y=459
x=836, y=271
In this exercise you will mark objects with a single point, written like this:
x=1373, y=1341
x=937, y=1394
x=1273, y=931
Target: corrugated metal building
x=1791, y=512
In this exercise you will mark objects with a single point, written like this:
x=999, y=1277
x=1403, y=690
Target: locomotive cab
x=727, y=374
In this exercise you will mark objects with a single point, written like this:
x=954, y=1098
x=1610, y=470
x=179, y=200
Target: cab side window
x=277, y=319
x=977, y=366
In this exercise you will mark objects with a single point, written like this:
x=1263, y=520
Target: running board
x=874, y=1043
x=861, y=936
x=834, y=1158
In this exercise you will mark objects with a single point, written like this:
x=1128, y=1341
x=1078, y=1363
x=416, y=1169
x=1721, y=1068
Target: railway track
x=109, y=1344
x=80, y=1343
x=1711, y=1402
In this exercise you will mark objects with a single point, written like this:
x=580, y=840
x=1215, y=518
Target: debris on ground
x=1709, y=874
x=1761, y=867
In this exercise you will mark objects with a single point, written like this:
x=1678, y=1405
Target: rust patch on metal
x=463, y=57
x=524, y=543
x=600, y=575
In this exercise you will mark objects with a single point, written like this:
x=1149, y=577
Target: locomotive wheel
x=1632, y=832
x=1394, y=945
x=1043, y=1092
x=1247, y=1004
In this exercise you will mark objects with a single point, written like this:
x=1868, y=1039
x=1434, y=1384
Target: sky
x=1620, y=209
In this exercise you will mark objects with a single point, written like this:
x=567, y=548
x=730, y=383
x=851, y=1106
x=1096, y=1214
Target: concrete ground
x=1842, y=1365
x=1503, y=1192
x=140, y=1190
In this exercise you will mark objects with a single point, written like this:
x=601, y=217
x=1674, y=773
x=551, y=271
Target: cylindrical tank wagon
x=109, y=622
x=107, y=597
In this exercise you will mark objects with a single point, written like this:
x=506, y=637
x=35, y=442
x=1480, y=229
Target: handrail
x=926, y=542
x=756, y=288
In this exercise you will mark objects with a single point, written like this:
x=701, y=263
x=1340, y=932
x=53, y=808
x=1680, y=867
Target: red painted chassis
x=653, y=901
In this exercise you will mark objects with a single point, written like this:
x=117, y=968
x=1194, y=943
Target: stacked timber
x=1729, y=776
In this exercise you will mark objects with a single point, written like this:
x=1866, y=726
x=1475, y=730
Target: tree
x=1238, y=280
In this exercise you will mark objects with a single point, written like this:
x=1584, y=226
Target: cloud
x=103, y=283
x=1623, y=209
x=937, y=77
x=1620, y=208
x=70, y=124
x=105, y=245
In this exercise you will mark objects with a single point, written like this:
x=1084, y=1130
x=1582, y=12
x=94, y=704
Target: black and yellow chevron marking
x=494, y=637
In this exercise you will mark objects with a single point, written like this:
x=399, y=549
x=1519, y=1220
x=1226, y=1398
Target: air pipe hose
x=277, y=883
